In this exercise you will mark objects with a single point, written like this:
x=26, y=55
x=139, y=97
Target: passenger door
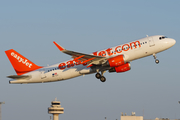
x=43, y=75
x=151, y=42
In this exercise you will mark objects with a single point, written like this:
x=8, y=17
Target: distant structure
x=0, y=109
x=132, y=117
x=55, y=109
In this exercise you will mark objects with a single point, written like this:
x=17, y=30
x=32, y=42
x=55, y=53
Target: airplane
x=115, y=59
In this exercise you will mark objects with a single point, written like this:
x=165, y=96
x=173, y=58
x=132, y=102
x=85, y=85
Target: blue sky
x=30, y=27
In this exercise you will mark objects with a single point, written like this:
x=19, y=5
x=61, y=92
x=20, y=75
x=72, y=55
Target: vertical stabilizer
x=21, y=64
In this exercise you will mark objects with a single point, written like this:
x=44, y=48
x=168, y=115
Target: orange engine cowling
x=122, y=68
x=115, y=61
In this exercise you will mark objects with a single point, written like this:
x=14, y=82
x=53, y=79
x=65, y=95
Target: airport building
x=131, y=117
x=134, y=117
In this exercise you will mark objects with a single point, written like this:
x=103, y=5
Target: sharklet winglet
x=58, y=46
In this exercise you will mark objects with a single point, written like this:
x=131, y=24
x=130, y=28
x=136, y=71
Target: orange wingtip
x=58, y=46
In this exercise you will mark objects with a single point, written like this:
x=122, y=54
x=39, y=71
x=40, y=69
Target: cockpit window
x=163, y=37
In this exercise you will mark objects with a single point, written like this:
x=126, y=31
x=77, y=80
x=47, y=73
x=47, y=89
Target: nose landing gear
x=156, y=60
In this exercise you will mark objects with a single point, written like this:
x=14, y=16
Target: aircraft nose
x=173, y=42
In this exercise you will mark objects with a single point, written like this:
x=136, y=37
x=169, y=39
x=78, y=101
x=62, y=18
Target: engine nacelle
x=115, y=61
x=122, y=68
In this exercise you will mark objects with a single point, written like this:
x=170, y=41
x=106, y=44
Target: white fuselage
x=131, y=51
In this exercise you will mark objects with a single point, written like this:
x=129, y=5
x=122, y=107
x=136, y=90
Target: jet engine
x=122, y=68
x=115, y=61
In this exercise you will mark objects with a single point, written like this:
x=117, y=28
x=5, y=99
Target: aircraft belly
x=70, y=73
x=75, y=72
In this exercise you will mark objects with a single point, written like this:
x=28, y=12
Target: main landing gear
x=100, y=76
x=156, y=60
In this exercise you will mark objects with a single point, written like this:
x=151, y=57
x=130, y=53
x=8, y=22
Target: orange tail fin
x=21, y=64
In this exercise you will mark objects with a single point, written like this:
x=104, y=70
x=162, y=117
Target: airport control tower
x=55, y=109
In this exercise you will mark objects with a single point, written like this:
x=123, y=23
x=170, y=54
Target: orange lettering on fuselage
x=118, y=49
x=62, y=66
x=135, y=44
x=107, y=52
x=102, y=53
x=95, y=53
x=125, y=46
x=77, y=62
x=70, y=64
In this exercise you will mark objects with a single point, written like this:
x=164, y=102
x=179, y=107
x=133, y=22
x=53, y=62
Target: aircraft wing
x=86, y=58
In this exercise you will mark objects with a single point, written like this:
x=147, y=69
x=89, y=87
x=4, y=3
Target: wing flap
x=86, y=58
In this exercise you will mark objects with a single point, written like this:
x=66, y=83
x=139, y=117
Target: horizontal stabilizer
x=19, y=76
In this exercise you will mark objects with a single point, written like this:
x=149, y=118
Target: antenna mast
x=0, y=109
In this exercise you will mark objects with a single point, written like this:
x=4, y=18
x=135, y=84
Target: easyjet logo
x=118, y=49
x=71, y=63
x=21, y=60
x=107, y=52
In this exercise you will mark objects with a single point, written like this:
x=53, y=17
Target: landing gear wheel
x=103, y=79
x=98, y=75
x=157, y=61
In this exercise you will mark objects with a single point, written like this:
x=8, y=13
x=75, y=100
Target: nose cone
x=173, y=41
